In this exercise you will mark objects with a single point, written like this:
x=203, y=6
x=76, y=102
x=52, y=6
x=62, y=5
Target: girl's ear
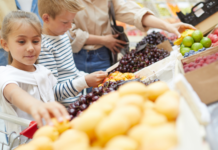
x=4, y=45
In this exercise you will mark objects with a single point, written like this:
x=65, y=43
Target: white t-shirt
x=40, y=75
x=25, y=5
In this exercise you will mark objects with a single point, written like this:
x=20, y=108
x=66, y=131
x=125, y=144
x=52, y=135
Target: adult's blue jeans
x=91, y=61
x=3, y=57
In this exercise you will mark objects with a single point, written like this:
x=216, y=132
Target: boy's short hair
x=54, y=7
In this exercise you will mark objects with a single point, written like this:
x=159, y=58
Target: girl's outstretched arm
x=21, y=99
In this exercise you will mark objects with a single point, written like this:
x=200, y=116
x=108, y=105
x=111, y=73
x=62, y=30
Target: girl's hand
x=178, y=28
x=36, y=108
x=96, y=78
x=112, y=43
x=47, y=111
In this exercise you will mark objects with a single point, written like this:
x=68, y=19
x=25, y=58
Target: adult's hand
x=154, y=22
x=178, y=28
x=112, y=43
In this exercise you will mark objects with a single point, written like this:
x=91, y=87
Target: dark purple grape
x=132, y=62
x=82, y=100
x=149, y=57
x=147, y=61
x=110, y=90
x=155, y=80
x=95, y=91
x=105, y=93
x=72, y=111
x=106, y=84
x=161, y=57
x=73, y=106
x=76, y=103
x=90, y=95
x=83, y=107
x=122, y=61
x=100, y=88
x=155, y=50
x=130, y=66
x=95, y=98
x=124, y=69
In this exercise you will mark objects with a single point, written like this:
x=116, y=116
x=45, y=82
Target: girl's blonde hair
x=18, y=18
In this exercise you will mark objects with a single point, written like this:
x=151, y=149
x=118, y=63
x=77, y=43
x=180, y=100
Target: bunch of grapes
x=134, y=61
x=154, y=38
x=85, y=100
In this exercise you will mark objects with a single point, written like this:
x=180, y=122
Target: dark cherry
x=82, y=100
x=100, y=88
x=95, y=98
x=83, y=107
x=72, y=111
x=90, y=95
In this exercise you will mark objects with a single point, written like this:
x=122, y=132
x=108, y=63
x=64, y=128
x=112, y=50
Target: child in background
x=56, y=52
x=25, y=87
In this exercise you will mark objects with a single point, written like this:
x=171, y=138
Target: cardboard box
x=203, y=80
x=165, y=45
x=208, y=24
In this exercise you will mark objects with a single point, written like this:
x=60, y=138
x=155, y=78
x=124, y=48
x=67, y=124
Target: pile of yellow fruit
x=136, y=117
x=183, y=35
x=117, y=76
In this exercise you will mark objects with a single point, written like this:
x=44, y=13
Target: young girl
x=25, y=87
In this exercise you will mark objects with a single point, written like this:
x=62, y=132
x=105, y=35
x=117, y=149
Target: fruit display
x=214, y=37
x=134, y=61
x=192, y=52
x=136, y=117
x=195, y=42
x=85, y=101
x=170, y=36
x=184, y=34
x=200, y=62
x=154, y=38
x=117, y=76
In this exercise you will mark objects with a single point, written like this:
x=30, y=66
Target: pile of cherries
x=85, y=100
x=153, y=38
x=134, y=61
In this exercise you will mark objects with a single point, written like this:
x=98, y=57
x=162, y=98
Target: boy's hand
x=178, y=28
x=112, y=43
x=47, y=111
x=95, y=78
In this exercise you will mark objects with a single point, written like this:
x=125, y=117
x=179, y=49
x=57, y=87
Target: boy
x=56, y=52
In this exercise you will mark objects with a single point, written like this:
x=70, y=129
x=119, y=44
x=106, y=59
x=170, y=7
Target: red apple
x=216, y=32
x=210, y=36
